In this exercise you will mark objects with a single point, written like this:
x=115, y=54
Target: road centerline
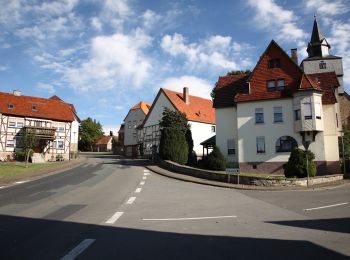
x=142, y=183
x=114, y=218
x=180, y=219
x=78, y=249
x=327, y=206
x=131, y=200
x=138, y=190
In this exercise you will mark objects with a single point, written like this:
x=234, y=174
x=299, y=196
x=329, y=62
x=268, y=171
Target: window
x=58, y=144
x=280, y=84
x=213, y=128
x=318, y=110
x=37, y=123
x=307, y=111
x=10, y=143
x=260, y=144
x=34, y=108
x=277, y=114
x=274, y=63
x=259, y=115
x=134, y=123
x=322, y=65
x=231, y=146
x=12, y=124
x=297, y=114
x=19, y=141
x=60, y=129
x=271, y=85
x=10, y=106
x=336, y=118
x=285, y=144
x=19, y=124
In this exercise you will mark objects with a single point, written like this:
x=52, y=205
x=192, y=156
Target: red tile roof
x=144, y=106
x=198, y=110
x=104, y=140
x=327, y=81
x=53, y=108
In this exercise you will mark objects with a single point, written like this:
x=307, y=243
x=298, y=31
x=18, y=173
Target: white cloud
x=57, y=7
x=334, y=7
x=216, y=52
x=114, y=128
x=114, y=60
x=272, y=17
x=11, y=13
x=3, y=67
x=117, y=107
x=150, y=18
x=96, y=23
x=45, y=87
x=197, y=86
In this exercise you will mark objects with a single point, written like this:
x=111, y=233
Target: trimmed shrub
x=173, y=146
x=296, y=166
x=215, y=160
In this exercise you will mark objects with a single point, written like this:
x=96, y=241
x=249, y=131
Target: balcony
x=47, y=133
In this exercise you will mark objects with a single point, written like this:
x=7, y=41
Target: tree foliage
x=296, y=165
x=29, y=141
x=346, y=140
x=215, y=160
x=89, y=132
x=176, y=142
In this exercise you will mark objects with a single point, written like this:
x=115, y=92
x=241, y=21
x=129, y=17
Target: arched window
x=285, y=144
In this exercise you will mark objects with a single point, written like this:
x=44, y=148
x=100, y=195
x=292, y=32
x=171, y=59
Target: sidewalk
x=182, y=177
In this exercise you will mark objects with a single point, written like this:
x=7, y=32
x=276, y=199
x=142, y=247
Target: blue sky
x=104, y=56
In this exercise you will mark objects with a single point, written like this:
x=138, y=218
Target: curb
x=181, y=177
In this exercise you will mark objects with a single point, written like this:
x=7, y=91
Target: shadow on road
x=28, y=238
x=341, y=225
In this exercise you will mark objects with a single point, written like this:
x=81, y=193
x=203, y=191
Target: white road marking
x=146, y=173
x=146, y=170
x=138, y=190
x=142, y=183
x=144, y=178
x=20, y=182
x=78, y=249
x=131, y=200
x=114, y=218
x=1, y=187
x=85, y=165
x=328, y=206
x=178, y=219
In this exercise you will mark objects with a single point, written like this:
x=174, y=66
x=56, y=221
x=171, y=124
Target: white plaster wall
x=331, y=132
x=75, y=129
x=248, y=130
x=226, y=128
x=157, y=111
x=134, y=115
x=200, y=133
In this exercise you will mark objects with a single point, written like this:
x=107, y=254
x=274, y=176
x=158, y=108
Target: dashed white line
x=178, y=219
x=138, y=190
x=146, y=170
x=78, y=249
x=144, y=178
x=141, y=183
x=114, y=218
x=131, y=200
x=328, y=206
x=146, y=173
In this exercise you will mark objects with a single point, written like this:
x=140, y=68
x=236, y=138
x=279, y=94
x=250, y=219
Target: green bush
x=232, y=165
x=296, y=166
x=215, y=160
x=20, y=155
x=173, y=146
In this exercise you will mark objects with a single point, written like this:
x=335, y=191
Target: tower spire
x=318, y=45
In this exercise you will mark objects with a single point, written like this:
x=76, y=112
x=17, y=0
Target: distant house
x=54, y=122
x=199, y=112
x=104, y=144
x=133, y=119
x=261, y=117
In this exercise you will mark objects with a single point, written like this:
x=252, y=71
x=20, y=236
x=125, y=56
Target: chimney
x=186, y=96
x=110, y=133
x=294, y=55
x=17, y=93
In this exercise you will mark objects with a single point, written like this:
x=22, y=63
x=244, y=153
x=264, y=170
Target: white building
x=55, y=123
x=260, y=117
x=133, y=119
x=199, y=112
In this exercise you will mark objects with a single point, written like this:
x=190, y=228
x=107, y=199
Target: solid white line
x=20, y=182
x=142, y=183
x=177, y=219
x=131, y=200
x=78, y=249
x=328, y=206
x=138, y=190
x=114, y=218
x=144, y=178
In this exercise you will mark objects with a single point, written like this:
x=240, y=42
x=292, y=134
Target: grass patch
x=17, y=171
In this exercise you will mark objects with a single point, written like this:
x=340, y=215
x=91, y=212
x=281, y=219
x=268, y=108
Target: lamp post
x=343, y=152
x=306, y=145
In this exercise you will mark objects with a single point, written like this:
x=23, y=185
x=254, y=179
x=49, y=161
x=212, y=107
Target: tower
x=319, y=58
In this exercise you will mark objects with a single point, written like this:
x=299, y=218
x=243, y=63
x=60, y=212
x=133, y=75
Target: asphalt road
x=111, y=208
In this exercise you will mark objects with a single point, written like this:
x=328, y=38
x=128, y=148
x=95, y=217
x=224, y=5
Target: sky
x=105, y=56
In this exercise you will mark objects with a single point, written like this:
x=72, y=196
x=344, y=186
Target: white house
x=133, y=119
x=54, y=122
x=199, y=112
x=260, y=117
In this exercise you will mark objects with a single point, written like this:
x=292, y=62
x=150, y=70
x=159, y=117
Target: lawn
x=18, y=171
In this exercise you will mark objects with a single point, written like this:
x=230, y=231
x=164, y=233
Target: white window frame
x=260, y=144
x=231, y=150
x=259, y=111
x=276, y=112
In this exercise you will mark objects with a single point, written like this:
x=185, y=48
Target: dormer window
x=10, y=106
x=273, y=84
x=323, y=65
x=34, y=108
x=274, y=63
